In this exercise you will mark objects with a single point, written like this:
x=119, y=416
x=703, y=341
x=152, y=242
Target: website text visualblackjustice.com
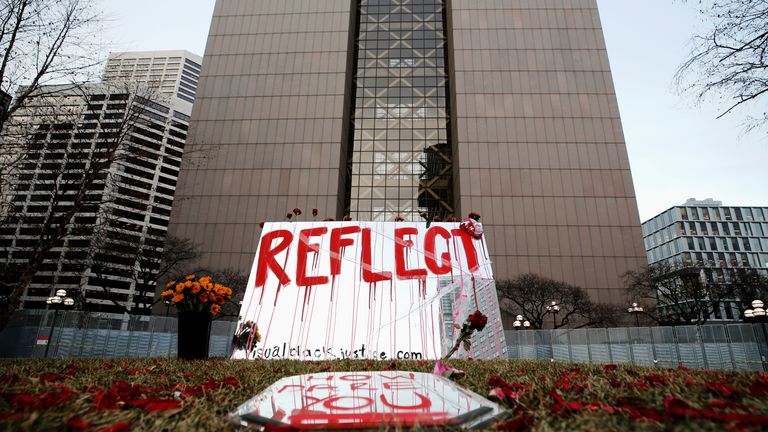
x=299, y=352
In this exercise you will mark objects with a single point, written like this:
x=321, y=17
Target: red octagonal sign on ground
x=352, y=400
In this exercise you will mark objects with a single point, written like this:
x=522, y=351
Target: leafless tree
x=729, y=59
x=681, y=295
x=76, y=182
x=41, y=42
x=145, y=263
x=529, y=295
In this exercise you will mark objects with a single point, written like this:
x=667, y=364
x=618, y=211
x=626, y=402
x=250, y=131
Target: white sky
x=677, y=150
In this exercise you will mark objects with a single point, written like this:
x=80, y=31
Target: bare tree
x=73, y=180
x=729, y=59
x=530, y=294
x=144, y=262
x=681, y=295
x=46, y=42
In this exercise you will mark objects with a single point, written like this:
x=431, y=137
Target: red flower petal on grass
x=117, y=427
x=656, y=379
x=161, y=405
x=721, y=404
x=232, y=381
x=720, y=388
x=78, y=424
x=610, y=367
x=54, y=377
x=12, y=415
x=23, y=400
x=758, y=390
x=519, y=424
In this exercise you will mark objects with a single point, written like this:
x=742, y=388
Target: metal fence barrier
x=37, y=333
x=715, y=346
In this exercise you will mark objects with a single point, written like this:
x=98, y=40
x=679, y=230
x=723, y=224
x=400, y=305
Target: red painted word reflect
x=436, y=262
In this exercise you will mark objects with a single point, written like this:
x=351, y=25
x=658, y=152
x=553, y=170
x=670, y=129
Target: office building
x=172, y=73
x=115, y=238
x=380, y=109
x=716, y=239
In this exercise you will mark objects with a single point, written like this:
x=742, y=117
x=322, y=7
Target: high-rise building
x=716, y=240
x=137, y=130
x=173, y=73
x=385, y=108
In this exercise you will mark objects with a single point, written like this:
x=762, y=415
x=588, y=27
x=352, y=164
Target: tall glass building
x=381, y=109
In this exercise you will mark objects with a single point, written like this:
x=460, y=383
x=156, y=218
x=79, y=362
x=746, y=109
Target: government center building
x=379, y=109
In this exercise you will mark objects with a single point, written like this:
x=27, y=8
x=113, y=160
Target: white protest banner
x=375, y=290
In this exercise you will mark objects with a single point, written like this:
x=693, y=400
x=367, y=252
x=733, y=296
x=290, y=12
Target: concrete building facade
x=385, y=108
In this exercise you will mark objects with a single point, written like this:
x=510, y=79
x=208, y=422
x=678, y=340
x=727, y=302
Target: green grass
x=47, y=394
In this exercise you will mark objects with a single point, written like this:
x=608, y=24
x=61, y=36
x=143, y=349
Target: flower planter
x=194, y=335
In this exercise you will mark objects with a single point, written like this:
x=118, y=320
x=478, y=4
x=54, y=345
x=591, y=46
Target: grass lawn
x=154, y=394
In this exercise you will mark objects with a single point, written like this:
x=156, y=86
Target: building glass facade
x=717, y=239
x=399, y=157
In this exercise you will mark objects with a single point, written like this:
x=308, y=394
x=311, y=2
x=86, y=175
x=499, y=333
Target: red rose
x=437, y=219
x=477, y=321
x=314, y=212
x=289, y=215
x=475, y=216
x=261, y=224
x=297, y=211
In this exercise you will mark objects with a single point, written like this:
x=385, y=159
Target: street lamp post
x=56, y=302
x=636, y=311
x=553, y=308
x=520, y=322
x=757, y=314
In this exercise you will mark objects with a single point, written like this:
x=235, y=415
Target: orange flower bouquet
x=197, y=295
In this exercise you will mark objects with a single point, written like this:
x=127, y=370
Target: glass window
x=683, y=213
x=727, y=213
x=713, y=228
x=737, y=213
x=705, y=214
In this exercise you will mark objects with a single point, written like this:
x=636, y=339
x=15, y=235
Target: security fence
x=40, y=333
x=715, y=346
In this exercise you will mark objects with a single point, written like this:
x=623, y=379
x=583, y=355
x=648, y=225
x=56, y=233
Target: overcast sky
x=677, y=150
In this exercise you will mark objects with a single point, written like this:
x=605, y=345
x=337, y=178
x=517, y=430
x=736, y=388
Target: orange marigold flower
x=168, y=293
x=258, y=337
x=177, y=298
x=190, y=277
x=180, y=287
x=203, y=297
x=188, y=284
x=170, y=284
x=215, y=309
x=195, y=289
x=205, y=280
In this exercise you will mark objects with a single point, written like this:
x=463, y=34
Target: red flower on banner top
x=474, y=216
x=437, y=219
x=399, y=219
x=297, y=211
x=261, y=224
x=289, y=216
x=472, y=227
x=328, y=220
x=314, y=212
